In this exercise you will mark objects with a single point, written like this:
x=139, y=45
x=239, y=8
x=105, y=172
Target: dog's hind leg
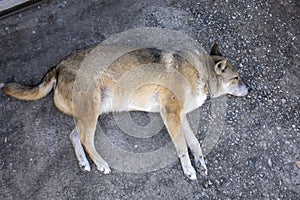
x=87, y=129
x=86, y=107
x=171, y=114
x=194, y=145
x=79, y=151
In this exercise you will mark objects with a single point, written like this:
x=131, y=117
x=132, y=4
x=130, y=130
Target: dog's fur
x=217, y=78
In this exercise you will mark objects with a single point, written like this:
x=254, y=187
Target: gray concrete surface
x=256, y=155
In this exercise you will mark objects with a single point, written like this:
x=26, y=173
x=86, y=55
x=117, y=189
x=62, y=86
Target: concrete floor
x=256, y=154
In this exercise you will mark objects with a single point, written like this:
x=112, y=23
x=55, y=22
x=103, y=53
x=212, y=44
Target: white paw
x=85, y=166
x=190, y=172
x=1, y=85
x=203, y=170
x=201, y=166
x=104, y=168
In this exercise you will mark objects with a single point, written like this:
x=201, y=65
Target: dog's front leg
x=79, y=151
x=171, y=114
x=194, y=145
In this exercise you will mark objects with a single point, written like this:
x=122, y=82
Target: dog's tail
x=32, y=92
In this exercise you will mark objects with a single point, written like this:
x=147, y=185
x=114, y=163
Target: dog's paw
x=201, y=166
x=104, y=168
x=190, y=172
x=202, y=170
x=85, y=166
x=1, y=85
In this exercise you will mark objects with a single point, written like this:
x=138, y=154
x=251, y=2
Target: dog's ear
x=215, y=50
x=220, y=67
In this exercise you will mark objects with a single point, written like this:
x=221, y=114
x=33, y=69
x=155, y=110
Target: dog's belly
x=149, y=104
x=145, y=98
x=194, y=102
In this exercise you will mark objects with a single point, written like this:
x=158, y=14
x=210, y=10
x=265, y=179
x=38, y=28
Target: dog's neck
x=212, y=83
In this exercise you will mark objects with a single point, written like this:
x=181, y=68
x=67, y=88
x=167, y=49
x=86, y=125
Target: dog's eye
x=236, y=78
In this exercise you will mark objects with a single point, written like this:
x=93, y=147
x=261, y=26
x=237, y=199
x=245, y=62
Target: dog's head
x=229, y=81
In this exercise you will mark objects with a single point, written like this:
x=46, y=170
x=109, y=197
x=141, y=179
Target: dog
x=189, y=83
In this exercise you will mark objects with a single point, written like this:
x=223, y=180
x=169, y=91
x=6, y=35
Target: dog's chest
x=197, y=97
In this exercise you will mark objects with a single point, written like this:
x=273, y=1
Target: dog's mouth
x=239, y=91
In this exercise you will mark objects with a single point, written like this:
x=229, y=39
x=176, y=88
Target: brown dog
x=192, y=85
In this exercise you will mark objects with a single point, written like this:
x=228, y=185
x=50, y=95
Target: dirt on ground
x=257, y=155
